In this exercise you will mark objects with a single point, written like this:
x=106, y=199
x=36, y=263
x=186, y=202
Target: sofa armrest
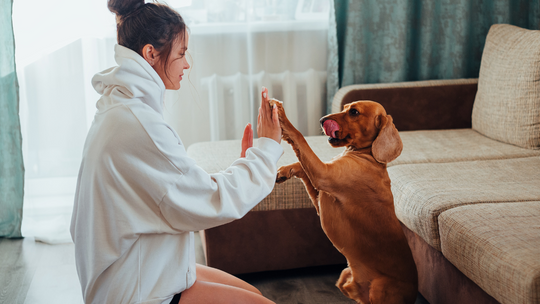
x=418, y=105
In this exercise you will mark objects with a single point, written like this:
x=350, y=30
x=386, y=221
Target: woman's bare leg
x=214, y=275
x=216, y=286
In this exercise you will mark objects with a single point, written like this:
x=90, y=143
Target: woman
x=139, y=196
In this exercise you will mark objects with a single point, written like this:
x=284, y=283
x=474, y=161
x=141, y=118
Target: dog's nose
x=322, y=120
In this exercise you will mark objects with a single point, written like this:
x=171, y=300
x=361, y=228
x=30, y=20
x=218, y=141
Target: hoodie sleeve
x=199, y=200
x=195, y=200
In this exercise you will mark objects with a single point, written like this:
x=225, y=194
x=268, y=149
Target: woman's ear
x=387, y=146
x=150, y=54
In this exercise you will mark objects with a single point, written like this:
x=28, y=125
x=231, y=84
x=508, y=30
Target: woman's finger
x=264, y=95
x=250, y=137
x=259, y=130
x=275, y=115
x=264, y=102
x=247, y=140
x=244, y=143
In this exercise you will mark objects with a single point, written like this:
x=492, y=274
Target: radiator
x=234, y=100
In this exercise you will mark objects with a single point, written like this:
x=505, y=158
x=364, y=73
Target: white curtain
x=236, y=46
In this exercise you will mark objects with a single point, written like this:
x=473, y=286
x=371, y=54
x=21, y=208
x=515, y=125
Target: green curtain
x=379, y=41
x=11, y=161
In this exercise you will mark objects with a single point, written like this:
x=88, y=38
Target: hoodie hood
x=133, y=78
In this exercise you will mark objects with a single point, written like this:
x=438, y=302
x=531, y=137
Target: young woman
x=139, y=196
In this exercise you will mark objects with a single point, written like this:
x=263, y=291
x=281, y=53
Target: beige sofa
x=466, y=186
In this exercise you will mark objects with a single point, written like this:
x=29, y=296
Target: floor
x=315, y=285
x=36, y=273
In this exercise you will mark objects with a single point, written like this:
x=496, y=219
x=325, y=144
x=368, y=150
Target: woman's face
x=176, y=65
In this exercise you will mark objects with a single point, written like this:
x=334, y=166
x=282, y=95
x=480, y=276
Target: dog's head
x=362, y=124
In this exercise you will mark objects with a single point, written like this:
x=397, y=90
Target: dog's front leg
x=314, y=168
x=286, y=172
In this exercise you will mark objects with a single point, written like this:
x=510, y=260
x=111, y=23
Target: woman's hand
x=268, y=120
x=247, y=140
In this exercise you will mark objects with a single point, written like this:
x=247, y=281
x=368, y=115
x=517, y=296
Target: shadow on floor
x=313, y=285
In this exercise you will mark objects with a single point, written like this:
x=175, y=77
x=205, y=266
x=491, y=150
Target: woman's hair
x=139, y=23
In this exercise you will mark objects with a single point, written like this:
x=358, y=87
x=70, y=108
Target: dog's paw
x=286, y=125
x=351, y=289
x=283, y=174
x=281, y=111
x=276, y=102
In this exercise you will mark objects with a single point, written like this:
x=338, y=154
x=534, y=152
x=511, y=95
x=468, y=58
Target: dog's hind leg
x=351, y=289
x=295, y=169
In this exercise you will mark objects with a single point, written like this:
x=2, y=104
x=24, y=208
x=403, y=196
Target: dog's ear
x=387, y=146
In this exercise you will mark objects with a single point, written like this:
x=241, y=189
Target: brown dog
x=353, y=199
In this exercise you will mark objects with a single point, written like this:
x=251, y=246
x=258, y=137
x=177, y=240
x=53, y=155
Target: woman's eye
x=354, y=112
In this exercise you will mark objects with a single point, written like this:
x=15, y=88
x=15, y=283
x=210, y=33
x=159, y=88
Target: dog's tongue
x=330, y=128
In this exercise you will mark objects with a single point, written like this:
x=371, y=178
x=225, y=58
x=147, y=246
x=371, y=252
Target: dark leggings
x=176, y=298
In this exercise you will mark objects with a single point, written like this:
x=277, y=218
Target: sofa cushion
x=418, y=147
x=507, y=104
x=497, y=246
x=442, y=146
x=423, y=191
x=430, y=146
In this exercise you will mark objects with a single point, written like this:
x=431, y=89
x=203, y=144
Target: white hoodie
x=139, y=195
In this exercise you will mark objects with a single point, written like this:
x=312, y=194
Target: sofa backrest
x=418, y=105
x=507, y=104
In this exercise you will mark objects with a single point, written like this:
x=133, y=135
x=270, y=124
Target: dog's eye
x=354, y=112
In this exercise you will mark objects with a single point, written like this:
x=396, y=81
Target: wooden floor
x=36, y=273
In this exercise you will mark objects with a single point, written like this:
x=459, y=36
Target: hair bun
x=123, y=7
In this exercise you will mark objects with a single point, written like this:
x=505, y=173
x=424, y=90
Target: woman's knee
x=210, y=292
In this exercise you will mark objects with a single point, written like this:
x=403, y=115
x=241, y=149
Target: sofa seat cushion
x=438, y=146
x=423, y=191
x=507, y=104
x=429, y=146
x=497, y=246
x=442, y=146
